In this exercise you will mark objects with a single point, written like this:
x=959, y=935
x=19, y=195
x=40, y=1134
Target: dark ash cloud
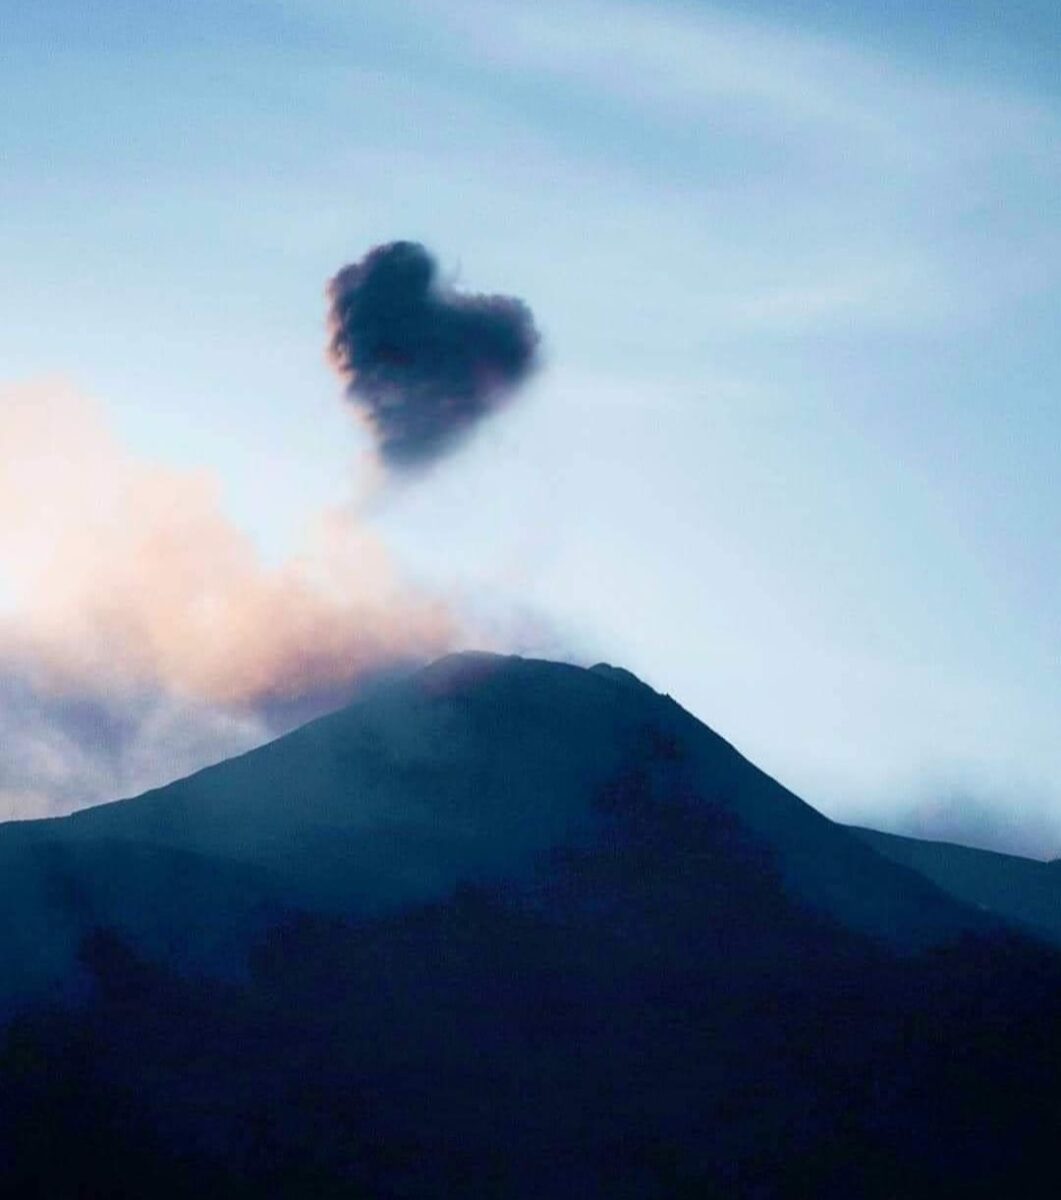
x=423, y=362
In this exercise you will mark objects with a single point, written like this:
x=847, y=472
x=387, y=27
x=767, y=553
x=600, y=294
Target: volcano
x=514, y=928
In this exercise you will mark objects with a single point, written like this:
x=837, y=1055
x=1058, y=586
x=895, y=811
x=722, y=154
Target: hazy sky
x=793, y=455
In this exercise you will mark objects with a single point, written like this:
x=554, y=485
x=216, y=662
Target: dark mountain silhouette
x=1020, y=890
x=516, y=929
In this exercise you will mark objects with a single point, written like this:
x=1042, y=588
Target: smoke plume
x=130, y=605
x=137, y=570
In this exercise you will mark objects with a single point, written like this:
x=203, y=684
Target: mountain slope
x=1019, y=890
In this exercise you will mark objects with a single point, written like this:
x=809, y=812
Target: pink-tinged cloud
x=121, y=574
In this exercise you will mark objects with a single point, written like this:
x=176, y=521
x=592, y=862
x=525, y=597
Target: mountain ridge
x=1025, y=891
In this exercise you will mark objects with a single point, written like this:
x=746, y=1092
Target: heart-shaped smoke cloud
x=423, y=362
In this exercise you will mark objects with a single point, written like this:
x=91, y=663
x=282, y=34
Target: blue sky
x=793, y=455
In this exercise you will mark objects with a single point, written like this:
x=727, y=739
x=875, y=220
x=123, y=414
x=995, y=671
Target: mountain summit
x=506, y=927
